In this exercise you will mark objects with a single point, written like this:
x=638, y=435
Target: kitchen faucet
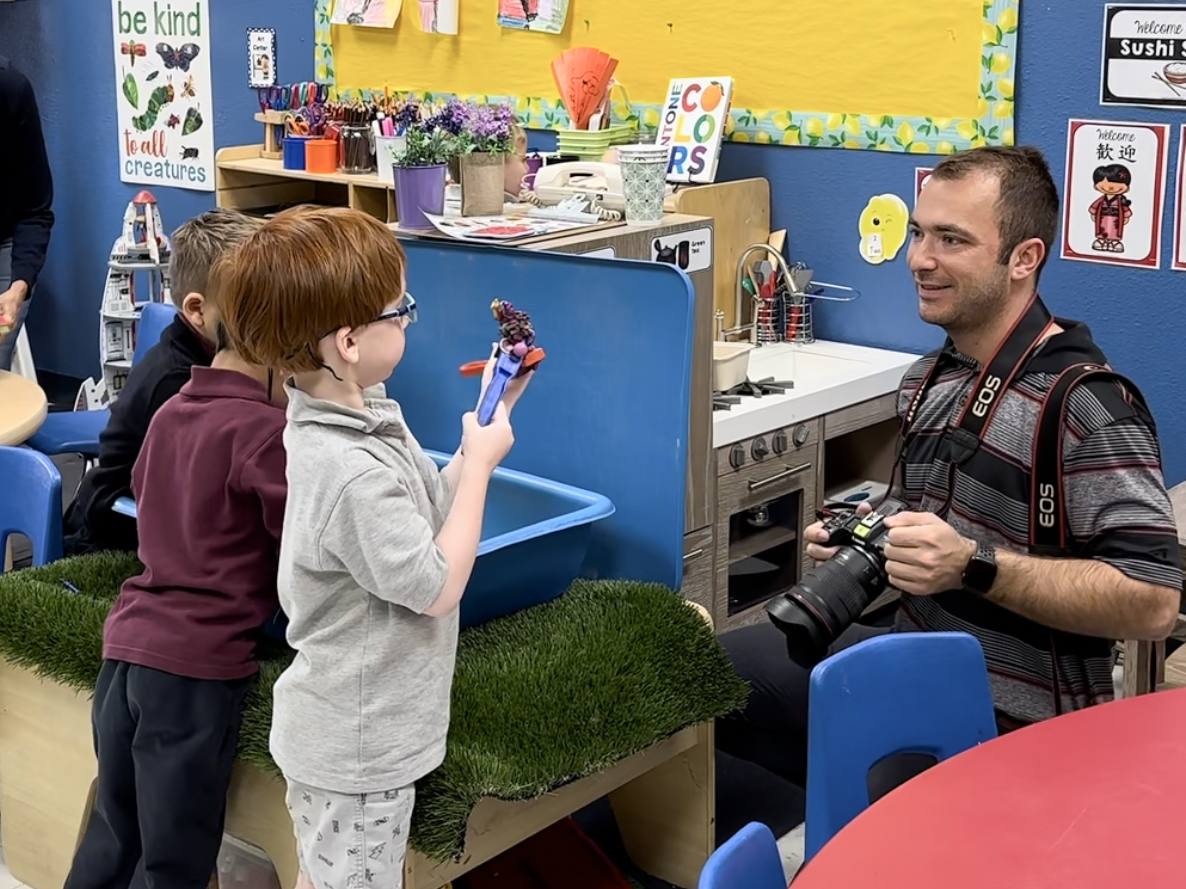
x=723, y=334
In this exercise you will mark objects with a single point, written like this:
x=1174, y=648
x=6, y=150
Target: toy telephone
x=600, y=183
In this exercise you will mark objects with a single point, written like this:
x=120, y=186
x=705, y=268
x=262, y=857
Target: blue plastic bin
x=535, y=535
x=294, y=152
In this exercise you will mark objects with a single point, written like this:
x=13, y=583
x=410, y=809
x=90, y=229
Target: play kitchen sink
x=827, y=377
x=535, y=534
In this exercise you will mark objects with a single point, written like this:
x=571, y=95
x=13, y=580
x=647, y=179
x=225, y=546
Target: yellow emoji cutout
x=883, y=228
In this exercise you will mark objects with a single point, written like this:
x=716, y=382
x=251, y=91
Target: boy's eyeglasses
x=408, y=308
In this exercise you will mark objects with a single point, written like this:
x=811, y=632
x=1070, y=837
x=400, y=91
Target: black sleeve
x=33, y=197
x=168, y=386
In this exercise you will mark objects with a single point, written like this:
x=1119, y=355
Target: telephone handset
x=600, y=183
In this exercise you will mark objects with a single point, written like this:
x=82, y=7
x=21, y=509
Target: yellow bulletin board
x=924, y=76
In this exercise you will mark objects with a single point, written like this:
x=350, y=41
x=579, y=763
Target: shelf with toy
x=142, y=251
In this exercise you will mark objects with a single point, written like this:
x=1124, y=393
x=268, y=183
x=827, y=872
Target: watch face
x=981, y=570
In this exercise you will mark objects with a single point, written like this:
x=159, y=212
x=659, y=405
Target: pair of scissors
x=296, y=124
x=273, y=98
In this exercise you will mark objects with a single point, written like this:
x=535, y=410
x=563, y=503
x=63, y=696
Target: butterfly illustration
x=179, y=57
x=188, y=89
x=173, y=121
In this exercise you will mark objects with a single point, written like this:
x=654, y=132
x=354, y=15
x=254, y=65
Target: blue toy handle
x=505, y=370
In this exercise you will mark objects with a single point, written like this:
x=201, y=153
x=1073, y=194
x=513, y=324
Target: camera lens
x=825, y=602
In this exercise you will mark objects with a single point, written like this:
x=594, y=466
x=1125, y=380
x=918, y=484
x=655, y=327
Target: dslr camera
x=817, y=609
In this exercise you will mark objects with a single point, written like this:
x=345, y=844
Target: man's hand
x=925, y=555
x=10, y=303
x=814, y=535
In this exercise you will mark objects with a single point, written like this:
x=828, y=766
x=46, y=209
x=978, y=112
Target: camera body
x=867, y=531
x=830, y=597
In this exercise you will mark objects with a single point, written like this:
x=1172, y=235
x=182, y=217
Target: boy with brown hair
x=378, y=545
x=158, y=376
x=179, y=643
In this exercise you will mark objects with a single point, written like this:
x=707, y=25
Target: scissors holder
x=356, y=149
x=273, y=122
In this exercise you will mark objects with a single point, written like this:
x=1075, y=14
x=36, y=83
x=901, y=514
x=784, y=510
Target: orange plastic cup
x=321, y=156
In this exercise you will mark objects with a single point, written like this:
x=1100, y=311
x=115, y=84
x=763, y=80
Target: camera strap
x=1028, y=331
x=1049, y=528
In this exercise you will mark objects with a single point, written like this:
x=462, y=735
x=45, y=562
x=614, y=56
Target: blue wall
x=1138, y=317
x=68, y=59
x=817, y=194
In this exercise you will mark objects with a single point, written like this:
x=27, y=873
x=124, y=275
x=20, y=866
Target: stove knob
x=778, y=442
x=737, y=456
x=760, y=449
x=800, y=435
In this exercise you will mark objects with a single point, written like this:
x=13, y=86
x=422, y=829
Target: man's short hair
x=198, y=243
x=1027, y=205
x=304, y=274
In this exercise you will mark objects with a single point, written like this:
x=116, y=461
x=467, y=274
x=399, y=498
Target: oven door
x=762, y=510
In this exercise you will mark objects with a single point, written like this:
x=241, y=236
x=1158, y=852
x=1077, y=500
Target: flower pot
x=419, y=190
x=455, y=169
x=481, y=184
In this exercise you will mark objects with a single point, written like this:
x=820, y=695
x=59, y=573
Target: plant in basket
x=486, y=139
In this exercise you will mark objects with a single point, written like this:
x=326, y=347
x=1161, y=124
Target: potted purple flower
x=452, y=119
x=485, y=140
x=420, y=168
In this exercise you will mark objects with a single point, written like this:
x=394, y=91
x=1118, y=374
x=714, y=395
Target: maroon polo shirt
x=210, y=490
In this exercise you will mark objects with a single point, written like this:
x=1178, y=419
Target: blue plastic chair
x=32, y=503
x=747, y=860
x=921, y=693
x=77, y=432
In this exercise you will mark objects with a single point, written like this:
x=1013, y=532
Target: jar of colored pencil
x=356, y=149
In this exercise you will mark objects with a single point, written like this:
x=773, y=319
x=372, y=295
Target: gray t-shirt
x=365, y=705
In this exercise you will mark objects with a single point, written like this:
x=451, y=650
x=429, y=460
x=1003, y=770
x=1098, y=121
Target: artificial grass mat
x=541, y=698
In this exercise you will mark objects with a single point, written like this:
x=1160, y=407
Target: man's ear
x=1027, y=258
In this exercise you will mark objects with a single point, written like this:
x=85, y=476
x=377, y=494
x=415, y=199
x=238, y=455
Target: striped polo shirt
x=1117, y=509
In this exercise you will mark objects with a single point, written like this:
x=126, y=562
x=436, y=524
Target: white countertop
x=828, y=377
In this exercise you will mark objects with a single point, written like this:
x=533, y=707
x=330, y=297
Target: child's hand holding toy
x=505, y=375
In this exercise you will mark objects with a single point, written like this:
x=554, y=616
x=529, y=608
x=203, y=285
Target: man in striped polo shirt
x=982, y=230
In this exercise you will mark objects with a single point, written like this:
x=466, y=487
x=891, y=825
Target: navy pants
x=166, y=745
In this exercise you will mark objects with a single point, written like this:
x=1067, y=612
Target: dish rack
x=781, y=300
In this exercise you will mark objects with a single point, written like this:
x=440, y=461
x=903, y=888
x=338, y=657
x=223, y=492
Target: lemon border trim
x=913, y=135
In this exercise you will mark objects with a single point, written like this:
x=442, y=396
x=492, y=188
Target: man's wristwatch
x=981, y=570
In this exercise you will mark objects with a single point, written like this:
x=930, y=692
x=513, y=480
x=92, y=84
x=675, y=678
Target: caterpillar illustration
x=160, y=97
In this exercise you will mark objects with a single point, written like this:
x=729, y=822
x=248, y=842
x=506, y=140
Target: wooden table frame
x=663, y=798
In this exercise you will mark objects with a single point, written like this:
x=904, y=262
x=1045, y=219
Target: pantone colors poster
x=165, y=110
x=1114, y=193
x=693, y=124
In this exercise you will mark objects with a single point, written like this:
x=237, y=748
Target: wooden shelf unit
x=245, y=181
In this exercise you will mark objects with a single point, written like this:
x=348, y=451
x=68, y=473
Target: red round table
x=1090, y=799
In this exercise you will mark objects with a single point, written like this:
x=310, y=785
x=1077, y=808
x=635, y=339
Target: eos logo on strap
x=1046, y=505
x=987, y=394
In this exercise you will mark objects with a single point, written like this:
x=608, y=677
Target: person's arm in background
x=32, y=199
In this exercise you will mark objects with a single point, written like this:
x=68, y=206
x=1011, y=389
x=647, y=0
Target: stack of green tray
x=592, y=144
